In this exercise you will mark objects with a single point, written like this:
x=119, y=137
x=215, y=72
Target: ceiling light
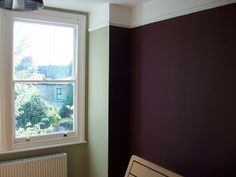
x=21, y=5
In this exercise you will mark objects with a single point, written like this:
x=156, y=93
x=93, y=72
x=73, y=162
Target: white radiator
x=43, y=166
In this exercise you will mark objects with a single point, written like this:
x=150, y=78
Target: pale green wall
x=76, y=158
x=98, y=74
x=91, y=159
x=77, y=154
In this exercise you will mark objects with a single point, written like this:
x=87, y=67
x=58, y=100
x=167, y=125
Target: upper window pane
x=43, y=51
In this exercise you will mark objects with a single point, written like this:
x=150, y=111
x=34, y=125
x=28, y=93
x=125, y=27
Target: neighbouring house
x=55, y=94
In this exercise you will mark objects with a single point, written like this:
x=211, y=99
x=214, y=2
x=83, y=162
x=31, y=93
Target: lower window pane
x=43, y=109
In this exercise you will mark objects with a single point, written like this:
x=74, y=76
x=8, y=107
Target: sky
x=46, y=44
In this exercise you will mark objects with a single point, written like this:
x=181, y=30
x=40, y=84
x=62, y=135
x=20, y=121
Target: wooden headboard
x=139, y=167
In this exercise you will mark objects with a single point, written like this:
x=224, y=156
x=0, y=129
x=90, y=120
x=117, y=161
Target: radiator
x=44, y=166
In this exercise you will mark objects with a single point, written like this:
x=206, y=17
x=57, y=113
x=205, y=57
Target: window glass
x=37, y=112
x=43, y=58
x=43, y=51
x=43, y=72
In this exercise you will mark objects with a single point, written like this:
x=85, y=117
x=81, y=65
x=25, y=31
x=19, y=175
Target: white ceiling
x=143, y=12
x=88, y=5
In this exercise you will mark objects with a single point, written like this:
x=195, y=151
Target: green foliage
x=26, y=69
x=34, y=130
x=65, y=111
x=35, y=111
x=23, y=94
x=54, y=116
x=34, y=115
x=19, y=50
x=67, y=123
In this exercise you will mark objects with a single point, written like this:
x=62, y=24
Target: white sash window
x=42, y=79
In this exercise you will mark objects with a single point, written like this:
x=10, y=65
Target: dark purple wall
x=183, y=93
x=119, y=71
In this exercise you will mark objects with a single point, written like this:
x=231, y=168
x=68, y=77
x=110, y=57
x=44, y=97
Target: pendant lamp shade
x=21, y=5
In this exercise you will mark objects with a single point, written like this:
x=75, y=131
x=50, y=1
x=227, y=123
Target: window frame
x=8, y=142
x=58, y=93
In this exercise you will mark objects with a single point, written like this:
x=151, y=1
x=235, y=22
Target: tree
x=26, y=69
x=19, y=50
x=67, y=123
x=36, y=111
x=66, y=110
x=33, y=114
